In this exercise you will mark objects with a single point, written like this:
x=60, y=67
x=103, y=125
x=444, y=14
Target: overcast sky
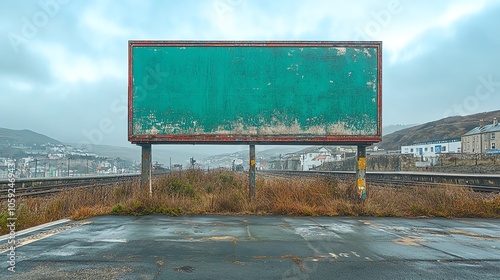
x=63, y=63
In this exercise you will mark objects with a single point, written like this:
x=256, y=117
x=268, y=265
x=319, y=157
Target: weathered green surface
x=285, y=90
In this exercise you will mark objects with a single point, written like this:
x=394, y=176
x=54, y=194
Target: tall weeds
x=224, y=192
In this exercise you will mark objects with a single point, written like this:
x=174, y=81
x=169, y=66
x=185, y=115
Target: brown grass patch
x=225, y=192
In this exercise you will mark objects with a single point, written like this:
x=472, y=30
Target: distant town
x=61, y=160
x=57, y=160
x=480, y=140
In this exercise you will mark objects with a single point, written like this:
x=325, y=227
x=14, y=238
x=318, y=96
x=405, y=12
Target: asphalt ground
x=258, y=247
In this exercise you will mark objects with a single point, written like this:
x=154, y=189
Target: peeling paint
x=296, y=91
x=367, y=52
x=341, y=51
x=242, y=128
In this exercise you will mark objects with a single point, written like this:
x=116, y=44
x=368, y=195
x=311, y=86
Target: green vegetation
x=225, y=192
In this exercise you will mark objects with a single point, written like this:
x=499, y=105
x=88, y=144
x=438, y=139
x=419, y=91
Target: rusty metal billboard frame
x=255, y=139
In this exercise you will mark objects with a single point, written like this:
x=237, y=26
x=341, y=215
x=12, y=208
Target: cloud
x=71, y=73
x=447, y=70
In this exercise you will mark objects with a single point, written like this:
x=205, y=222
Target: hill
x=25, y=137
x=386, y=130
x=451, y=127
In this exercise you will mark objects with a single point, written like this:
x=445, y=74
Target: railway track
x=476, y=182
x=45, y=186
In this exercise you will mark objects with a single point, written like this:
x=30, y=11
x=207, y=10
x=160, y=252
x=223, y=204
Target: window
x=492, y=145
x=493, y=136
x=411, y=150
x=443, y=148
x=426, y=149
x=432, y=149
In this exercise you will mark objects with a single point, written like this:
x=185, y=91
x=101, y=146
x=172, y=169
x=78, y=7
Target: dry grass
x=224, y=192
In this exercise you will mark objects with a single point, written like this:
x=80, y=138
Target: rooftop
x=484, y=129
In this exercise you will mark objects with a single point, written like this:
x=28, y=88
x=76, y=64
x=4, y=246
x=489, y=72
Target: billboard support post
x=252, y=172
x=361, y=171
x=146, y=166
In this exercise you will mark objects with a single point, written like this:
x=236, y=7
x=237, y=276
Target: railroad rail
x=49, y=185
x=477, y=182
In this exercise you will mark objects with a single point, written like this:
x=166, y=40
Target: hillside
x=451, y=127
x=386, y=130
x=25, y=137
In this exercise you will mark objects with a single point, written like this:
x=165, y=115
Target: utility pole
x=303, y=160
x=36, y=165
x=69, y=160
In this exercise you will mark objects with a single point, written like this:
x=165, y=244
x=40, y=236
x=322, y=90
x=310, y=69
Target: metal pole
x=150, y=183
x=303, y=160
x=252, y=172
x=361, y=171
x=36, y=165
x=146, y=165
x=68, y=165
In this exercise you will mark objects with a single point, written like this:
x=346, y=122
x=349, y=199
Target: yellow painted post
x=361, y=171
x=252, y=172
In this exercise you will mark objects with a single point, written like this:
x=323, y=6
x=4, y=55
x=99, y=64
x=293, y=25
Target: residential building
x=431, y=149
x=313, y=159
x=482, y=139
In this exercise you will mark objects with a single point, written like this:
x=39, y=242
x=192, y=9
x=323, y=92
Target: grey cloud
x=416, y=90
x=447, y=72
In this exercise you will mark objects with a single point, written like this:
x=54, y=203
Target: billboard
x=273, y=92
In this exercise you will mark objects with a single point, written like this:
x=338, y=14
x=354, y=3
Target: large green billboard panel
x=225, y=92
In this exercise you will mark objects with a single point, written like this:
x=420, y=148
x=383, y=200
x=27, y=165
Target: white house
x=312, y=160
x=431, y=149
